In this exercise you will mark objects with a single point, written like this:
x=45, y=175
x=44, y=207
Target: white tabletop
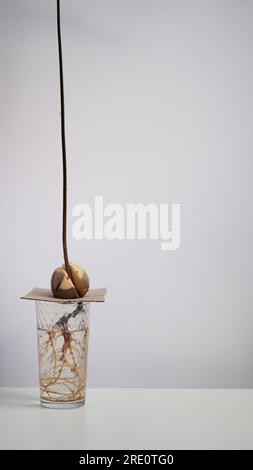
x=130, y=419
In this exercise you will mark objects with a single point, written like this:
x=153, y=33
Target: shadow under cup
x=63, y=332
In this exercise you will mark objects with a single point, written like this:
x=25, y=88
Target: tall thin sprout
x=63, y=139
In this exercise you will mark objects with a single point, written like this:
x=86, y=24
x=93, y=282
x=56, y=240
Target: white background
x=159, y=109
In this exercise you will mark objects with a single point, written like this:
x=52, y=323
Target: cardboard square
x=45, y=295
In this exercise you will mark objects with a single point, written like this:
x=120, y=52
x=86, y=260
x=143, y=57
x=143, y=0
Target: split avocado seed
x=65, y=287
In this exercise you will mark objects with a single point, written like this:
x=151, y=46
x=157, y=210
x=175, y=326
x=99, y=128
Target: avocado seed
x=64, y=287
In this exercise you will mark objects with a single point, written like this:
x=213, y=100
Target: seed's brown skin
x=62, y=286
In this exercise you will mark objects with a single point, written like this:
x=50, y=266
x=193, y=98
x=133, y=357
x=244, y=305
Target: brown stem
x=64, y=158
